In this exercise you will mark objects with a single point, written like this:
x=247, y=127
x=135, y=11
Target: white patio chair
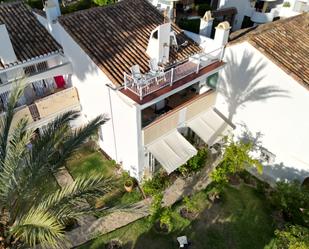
x=183, y=241
x=137, y=75
x=156, y=71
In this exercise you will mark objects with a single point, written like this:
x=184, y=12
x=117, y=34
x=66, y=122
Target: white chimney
x=222, y=33
x=206, y=24
x=159, y=43
x=52, y=10
x=7, y=54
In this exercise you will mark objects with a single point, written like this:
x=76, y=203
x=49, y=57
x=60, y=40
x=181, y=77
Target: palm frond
x=11, y=166
x=39, y=227
x=6, y=121
x=70, y=201
x=75, y=140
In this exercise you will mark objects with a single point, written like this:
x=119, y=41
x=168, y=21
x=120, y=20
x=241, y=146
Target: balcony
x=35, y=70
x=151, y=83
x=179, y=116
x=46, y=108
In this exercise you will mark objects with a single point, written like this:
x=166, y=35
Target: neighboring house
x=153, y=107
x=260, y=12
x=27, y=49
x=248, y=12
x=265, y=86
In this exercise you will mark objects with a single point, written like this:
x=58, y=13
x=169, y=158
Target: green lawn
x=87, y=162
x=241, y=220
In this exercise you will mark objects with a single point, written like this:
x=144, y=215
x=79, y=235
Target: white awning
x=210, y=127
x=172, y=151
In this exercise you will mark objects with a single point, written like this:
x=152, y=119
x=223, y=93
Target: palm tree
x=28, y=215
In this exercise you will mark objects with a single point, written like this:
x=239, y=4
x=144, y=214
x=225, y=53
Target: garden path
x=180, y=188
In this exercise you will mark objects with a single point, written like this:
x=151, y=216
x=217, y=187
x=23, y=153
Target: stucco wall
x=281, y=117
x=121, y=134
x=243, y=9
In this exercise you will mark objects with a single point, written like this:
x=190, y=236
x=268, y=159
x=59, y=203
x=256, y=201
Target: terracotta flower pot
x=128, y=185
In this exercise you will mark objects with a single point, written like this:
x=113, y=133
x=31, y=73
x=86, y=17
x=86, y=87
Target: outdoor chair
x=138, y=77
x=183, y=242
x=156, y=71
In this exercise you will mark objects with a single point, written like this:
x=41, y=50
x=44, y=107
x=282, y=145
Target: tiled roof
x=29, y=38
x=285, y=42
x=116, y=37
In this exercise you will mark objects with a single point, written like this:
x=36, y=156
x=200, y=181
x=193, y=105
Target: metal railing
x=150, y=83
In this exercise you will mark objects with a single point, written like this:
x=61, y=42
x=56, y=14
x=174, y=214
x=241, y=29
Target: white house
x=265, y=86
x=27, y=49
x=256, y=11
x=130, y=63
x=263, y=11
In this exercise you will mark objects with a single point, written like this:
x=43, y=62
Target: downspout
x=112, y=117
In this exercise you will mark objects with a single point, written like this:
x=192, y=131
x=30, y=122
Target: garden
x=236, y=210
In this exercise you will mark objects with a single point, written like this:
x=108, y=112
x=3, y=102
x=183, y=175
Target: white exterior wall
x=122, y=133
x=283, y=121
x=243, y=9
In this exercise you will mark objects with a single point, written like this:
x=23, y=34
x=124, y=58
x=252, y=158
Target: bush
x=156, y=208
x=293, y=201
x=236, y=159
x=192, y=25
x=36, y=4
x=195, y=163
x=189, y=204
x=156, y=185
x=286, y=5
x=202, y=8
x=80, y=5
x=293, y=237
x=166, y=219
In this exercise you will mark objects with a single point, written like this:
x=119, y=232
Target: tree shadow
x=240, y=82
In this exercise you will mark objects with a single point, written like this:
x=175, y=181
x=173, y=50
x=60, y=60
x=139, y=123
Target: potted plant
x=114, y=244
x=128, y=185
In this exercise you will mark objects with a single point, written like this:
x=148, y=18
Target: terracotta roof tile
x=29, y=38
x=116, y=36
x=285, y=42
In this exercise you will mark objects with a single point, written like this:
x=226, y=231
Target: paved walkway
x=180, y=188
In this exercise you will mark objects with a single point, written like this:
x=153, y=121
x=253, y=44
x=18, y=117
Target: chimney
x=7, y=54
x=159, y=43
x=52, y=10
x=222, y=33
x=206, y=24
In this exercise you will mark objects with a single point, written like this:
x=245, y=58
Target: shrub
x=156, y=208
x=236, y=159
x=195, y=163
x=202, y=8
x=293, y=201
x=293, y=237
x=155, y=185
x=286, y=5
x=192, y=25
x=80, y=5
x=166, y=219
x=189, y=204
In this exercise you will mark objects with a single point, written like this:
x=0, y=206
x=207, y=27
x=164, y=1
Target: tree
x=236, y=158
x=293, y=237
x=28, y=215
x=293, y=201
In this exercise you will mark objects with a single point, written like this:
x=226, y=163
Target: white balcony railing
x=150, y=83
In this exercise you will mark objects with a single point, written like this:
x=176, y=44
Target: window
x=212, y=80
x=155, y=34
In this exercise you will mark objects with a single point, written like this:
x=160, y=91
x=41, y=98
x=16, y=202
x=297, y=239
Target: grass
x=241, y=220
x=87, y=162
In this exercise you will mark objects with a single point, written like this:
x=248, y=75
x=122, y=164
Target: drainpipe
x=112, y=117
